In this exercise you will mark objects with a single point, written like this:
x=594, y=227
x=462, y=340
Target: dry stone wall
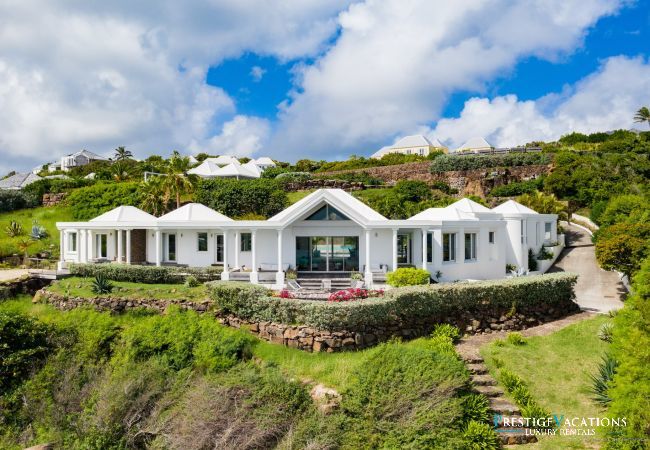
x=53, y=199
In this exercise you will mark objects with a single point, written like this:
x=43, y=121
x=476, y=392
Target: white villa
x=329, y=231
x=411, y=145
x=227, y=166
x=80, y=158
x=473, y=145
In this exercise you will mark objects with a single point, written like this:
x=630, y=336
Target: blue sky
x=312, y=79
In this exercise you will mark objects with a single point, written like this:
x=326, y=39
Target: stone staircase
x=485, y=384
x=316, y=284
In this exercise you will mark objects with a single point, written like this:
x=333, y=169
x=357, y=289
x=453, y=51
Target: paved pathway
x=12, y=274
x=597, y=289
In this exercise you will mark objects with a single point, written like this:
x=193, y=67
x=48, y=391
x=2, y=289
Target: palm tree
x=642, y=115
x=154, y=198
x=121, y=154
x=23, y=246
x=119, y=171
x=177, y=182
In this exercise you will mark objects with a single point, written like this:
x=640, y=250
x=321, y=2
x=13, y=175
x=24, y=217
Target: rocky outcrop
x=23, y=285
x=51, y=199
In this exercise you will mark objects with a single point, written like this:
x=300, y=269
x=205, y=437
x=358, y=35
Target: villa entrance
x=327, y=253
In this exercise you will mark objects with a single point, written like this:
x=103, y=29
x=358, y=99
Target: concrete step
x=516, y=437
x=473, y=359
x=489, y=391
x=483, y=380
x=477, y=368
x=499, y=405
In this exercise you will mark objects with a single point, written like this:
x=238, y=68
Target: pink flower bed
x=284, y=293
x=352, y=294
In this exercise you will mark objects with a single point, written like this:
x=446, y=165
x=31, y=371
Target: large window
x=72, y=242
x=327, y=253
x=429, y=247
x=491, y=237
x=327, y=212
x=449, y=247
x=219, y=248
x=547, y=230
x=202, y=242
x=470, y=246
x=101, y=247
x=246, y=244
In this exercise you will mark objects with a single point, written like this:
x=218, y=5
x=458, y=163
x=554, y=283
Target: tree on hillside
x=177, y=182
x=642, y=115
x=154, y=198
x=623, y=247
x=544, y=204
x=122, y=153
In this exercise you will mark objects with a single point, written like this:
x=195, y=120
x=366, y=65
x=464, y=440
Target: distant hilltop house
x=475, y=145
x=411, y=145
x=80, y=158
x=20, y=180
x=227, y=166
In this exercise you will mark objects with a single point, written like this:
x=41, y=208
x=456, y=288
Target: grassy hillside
x=45, y=216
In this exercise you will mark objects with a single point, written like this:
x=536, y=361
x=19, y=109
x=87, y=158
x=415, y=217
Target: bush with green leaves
x=600, y=382
x=101, y=285
x=476, y=407
x=145, y=274
x=191, y=281
x=89, y=202
x=522, y=396
x=544, y=254
x=606, y=331
x=55, y=186
x=236, y=198
x=446, y=330
x=408, y=276
x=447, y=163
x=515, y=338
x=11, y=200
x=14, y=229
x=517, y=188
x=532, y=260
x=480, y=436
x=400, y=306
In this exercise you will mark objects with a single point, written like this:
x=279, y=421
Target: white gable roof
x=436, y=143
x=475, y=143
x=347, y=204
x=416, y=140
x=236, y=170
x=512, y=207
x=193, y=212
x=205, y=169
x=253, y=167
x=192, y=159
x=468, y=205
x=124, y=214
x=224, y=160
x=447, y=213
x=264, y=161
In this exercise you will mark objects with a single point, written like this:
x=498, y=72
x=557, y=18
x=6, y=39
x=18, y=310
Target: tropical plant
x=446, y=330
x=601, y=380
x=642, y=115
x=516, y=338
x=38, y=231
x=605, y=332
x=191, y=281
x=101, y=285
x=23, y=246
x=119, y=171
x=154, y=199
x=14, y=229
x=177, y=181
x=480, y=436
x=122, y=154
x=544, y=204
x=476, y=407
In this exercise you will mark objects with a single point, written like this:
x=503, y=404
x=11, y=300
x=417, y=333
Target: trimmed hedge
x=398, y=306
x=145, y=274
x=447, y=163
x=408, y=276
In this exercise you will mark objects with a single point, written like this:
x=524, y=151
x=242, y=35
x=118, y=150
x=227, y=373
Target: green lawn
x=557, y=368
x=81, y=287
x=298, y=195
x=46, y=216
x=372, y=194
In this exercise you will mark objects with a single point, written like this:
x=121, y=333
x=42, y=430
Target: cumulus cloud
x=396, y=62
x=241, y=136
x=257, y=73
x=97, y=75
x=605, y=100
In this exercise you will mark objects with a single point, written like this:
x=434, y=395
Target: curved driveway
x=597, y=289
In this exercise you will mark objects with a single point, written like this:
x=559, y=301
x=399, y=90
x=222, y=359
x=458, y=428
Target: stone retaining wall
x=53, y=199
x=318, y=183
x=314, y=340
x=23, y=285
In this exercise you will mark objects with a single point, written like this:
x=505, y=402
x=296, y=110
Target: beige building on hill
x=411, y=145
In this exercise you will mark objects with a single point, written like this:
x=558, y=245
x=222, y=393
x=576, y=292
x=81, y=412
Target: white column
x=424, y=249
x=254, y=275
x=368, y=273
x=77, y=252
x=158, y=247
x=237, y=247
x=119, y=246
x=62, y=235
x=91, y=246
x=225, y=275
x=128, y=246
x=279, y=276
x=82, y=243
x=394, y=265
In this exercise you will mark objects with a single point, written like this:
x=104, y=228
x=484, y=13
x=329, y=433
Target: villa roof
x=475, y=143
x=19, y=180
x=352, y=207
x=512, y=207
x=447, y=213
x=253, y=167
x=124, y=214
x=193, y=212
x=224, y=160
x=236, y=170
x=263, y=161
x=206, y=169
x=415, y=140
x=467, y=205
x=88, y=154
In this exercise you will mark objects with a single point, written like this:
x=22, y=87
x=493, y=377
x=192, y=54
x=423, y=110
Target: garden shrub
x=517, y=188
x=532, y=260
x=602, y=379
x=236, y=198
x=54, y=186
x=476, y=407
x=447, y=163
x=191, y=281
x=408, y=276
x=400, y=305
x=89, y=202
x=522, y=396
x=516, y=338
x=145, y=274
x=11, y=200
x=446, y=330
x=480, y=436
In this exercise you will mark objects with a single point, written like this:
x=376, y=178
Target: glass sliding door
x=403, y=249
x=169, y=247
x=327, y=253
x=101, y=246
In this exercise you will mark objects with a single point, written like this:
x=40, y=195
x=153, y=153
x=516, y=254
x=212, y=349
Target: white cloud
x=257, y=73
x=396, y=63
x=97, y=75
x=241, y=136
x=605, y=100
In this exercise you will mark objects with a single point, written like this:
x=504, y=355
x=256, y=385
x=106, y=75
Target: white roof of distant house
x=19, y=180
x=415, y=140
x=236, y=170
x=192, y=159
x=446, y=213
x=467, y=205
x=224, y=160
x=193, y=212
x=512, y=207
x=253, y=167
x=347, y=204
x=128, y=214
x=263, y=161
x=475, y=143
x=205, y=169
x=88, y=154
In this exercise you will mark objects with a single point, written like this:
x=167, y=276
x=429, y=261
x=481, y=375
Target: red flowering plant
x=284, y=293
x=351, y=294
